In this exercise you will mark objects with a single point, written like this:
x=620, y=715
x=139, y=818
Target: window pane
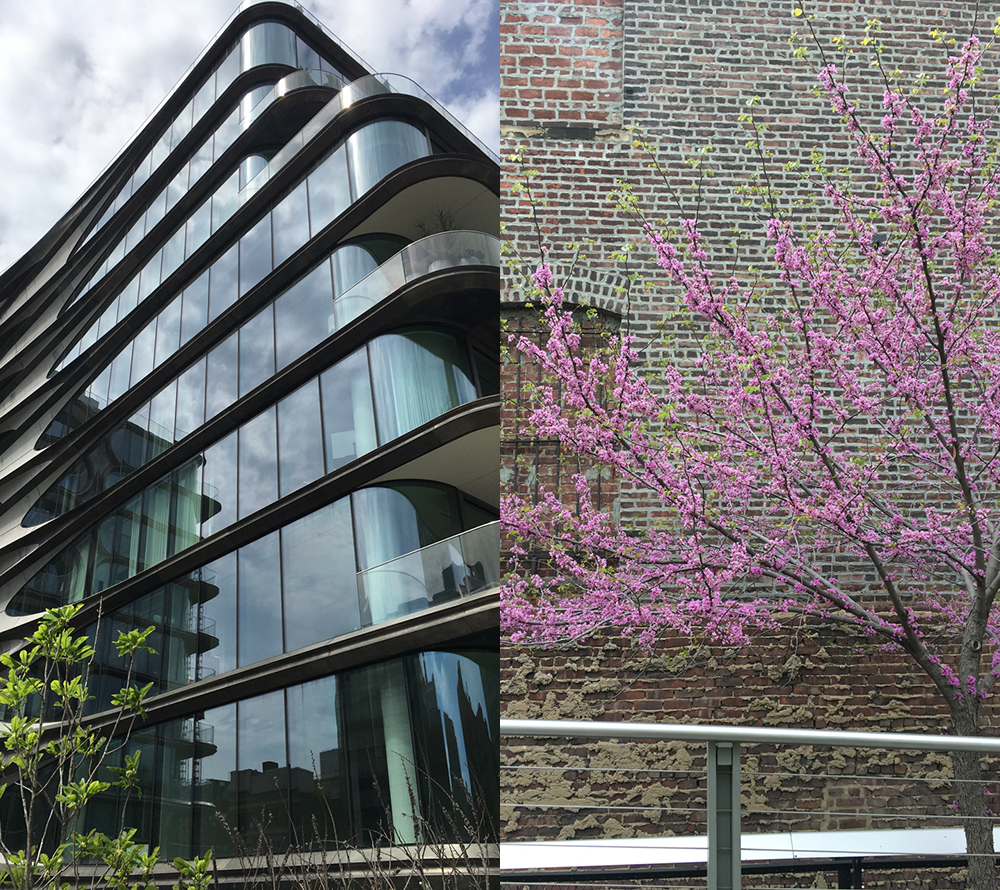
x=162, y=411
x=256, y=351
x=351, y=263
x=121, y=367
x=300, y=438
x=291, y=224
x=181, y=126
x=318, y=573
x=389, y=522
x=108, y=319
x=135, y=234
x=218, y=616
x=204, y=98
x=417, y=377
x=98, y=389
x=258, y=475
x=223, y=366
x=307, y=56
x=219, y=486
x=150, y=278
x=129, y=298
x=142, y=353
x=156, y=210
x=255, y=254
x=198, y=228
x=488, y=370
x=263, y=773
x=268, y=43
x=173, y=254
x=379, y=148
x=156, y=519
x=223, y=277
x=348, y=422
x=225, y=200
x=320, y=801
x=455, y=706
x=329, y=191
x=226, y=133
x=302, y=315
x=259, y=600
x=173, y=791
x=185, y=521
x=161, y=149
x=216, y=769
x=194, y=313
x=190, y=400
x=178, y=187
x=374, y=723
x=168, y=332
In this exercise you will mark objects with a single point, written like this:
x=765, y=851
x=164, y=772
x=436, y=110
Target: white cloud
x=78, y=80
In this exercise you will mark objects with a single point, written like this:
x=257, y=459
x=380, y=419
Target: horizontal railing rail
x=721, y=850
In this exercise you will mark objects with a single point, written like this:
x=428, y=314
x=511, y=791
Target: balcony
x=444, y=250
x=459, y=566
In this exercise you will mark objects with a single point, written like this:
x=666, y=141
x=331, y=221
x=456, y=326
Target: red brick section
x=562, y=63
x=576, y=76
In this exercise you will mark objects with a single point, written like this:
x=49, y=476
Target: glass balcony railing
x=431, y=254
x=303, y=77
x=455, y=567
x=371, y=85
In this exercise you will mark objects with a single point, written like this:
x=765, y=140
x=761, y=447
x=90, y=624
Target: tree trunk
x=972, y=803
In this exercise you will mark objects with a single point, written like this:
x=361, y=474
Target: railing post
x=724, y=871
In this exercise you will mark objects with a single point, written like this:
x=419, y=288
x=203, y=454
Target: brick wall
x=576, y=77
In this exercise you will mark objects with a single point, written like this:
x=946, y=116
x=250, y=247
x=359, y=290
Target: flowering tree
x=834, y=450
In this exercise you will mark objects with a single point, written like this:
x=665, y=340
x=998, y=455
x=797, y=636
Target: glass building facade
x=251, y=400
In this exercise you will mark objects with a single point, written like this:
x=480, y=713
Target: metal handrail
x=724, y=860
x=749, y=735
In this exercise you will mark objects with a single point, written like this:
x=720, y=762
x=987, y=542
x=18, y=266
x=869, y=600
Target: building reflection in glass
x=397, y=750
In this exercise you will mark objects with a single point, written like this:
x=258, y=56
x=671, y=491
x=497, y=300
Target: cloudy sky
x=79, y=77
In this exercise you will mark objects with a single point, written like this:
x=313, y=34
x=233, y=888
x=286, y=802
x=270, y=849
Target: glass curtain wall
x=349, y=757
x=265, y=43
x=328, y=192
x=333, y=414
x=303, y=583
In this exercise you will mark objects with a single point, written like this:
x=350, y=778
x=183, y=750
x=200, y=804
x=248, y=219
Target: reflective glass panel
x=379, y=148
x=418, y=376
x=218, y=617
x=300, y=438
x=259, y=600
x=263, y=772
x=223, y=376
x=268, y=43
x=456, y=707
x=194, y=312
x=291, y=224
x=348, y=422
x=190, y=400
x=319, y=778
x=225, y=200
x=318, y=575
x=214, y=791
x=219, y=508
x=258, y=475
x=223, y=283
x=168, y=332
x=256, y=351
x=329, y=191
x=303, y=315
x=255, y=254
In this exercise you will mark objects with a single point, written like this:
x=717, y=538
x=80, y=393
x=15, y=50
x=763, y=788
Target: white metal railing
x=723, y=853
